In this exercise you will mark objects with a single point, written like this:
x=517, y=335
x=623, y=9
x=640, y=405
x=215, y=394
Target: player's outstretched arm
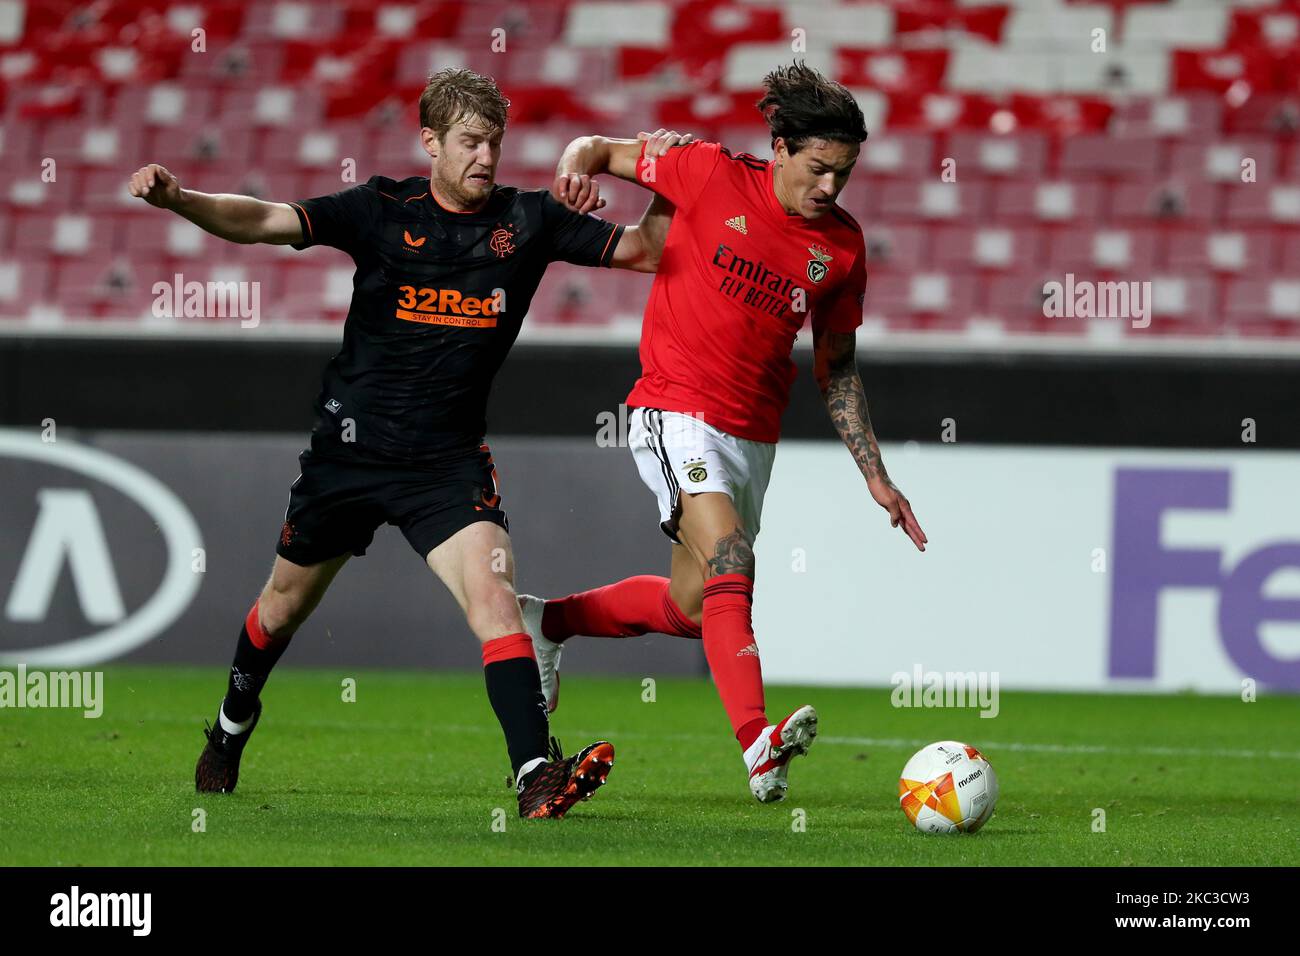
x=641, y=246
x=589, y=156
x=835, y=365
x=236, y=218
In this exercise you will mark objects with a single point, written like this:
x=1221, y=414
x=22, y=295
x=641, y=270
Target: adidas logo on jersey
x=738, y=223
x=751, y=650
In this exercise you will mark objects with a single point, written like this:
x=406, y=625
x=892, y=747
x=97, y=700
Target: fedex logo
x=1143, y=567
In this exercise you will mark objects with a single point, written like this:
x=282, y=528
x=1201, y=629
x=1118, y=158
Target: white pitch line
x=992, y=746
x=901, y=743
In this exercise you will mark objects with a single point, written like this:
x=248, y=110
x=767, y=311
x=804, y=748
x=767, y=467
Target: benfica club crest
x=817, y=267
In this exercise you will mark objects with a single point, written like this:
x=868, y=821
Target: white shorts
x=677, y=452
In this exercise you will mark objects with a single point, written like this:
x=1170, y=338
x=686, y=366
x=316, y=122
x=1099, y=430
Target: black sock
x=515, y=690
x=248, y=674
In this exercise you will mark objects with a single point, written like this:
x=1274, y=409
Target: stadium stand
x=1172, y=156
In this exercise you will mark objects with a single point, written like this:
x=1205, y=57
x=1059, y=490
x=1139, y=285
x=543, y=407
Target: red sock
x=628, y=608
x=258, y=637
x=732, y=653
x=508, y=648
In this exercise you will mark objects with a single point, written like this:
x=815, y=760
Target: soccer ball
x=948, y=787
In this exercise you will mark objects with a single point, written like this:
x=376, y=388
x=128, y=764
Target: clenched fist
x=156, y=186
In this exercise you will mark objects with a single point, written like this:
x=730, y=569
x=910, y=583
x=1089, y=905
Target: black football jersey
x=437, y=301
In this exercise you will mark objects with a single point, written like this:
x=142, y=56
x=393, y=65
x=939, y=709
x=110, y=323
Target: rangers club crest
x=502, y=242
x=817, y=267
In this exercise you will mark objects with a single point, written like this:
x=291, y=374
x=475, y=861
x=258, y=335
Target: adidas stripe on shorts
x=676, y=452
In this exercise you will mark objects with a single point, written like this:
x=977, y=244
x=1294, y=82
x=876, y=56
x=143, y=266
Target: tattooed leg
x=733, y=554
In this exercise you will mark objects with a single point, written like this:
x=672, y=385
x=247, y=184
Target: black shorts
x=337, y=502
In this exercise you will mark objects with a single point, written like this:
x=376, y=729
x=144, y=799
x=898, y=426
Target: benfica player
x=446, y=267
x=754, y=248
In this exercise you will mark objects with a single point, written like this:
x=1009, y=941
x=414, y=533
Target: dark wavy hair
x=799, y=104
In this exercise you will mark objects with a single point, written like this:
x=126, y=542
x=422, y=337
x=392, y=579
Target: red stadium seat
x=932, y=200
x=17, y=143
x=909, y=72
x=1263, y=300
x=991, y=248
x=224, y=145
x=572, y=295
x=65, y=235
x=931, y=23
x=897, y=154
x=1222, y=161
x=1243, y=252
x=315, y=292
x=1103, y=249
x=559, y=66
x=293, y=21
x=894, y=248
x=160, y=104
x=1056, y=201
x=919, y=293
x=1173, y=201
x=275, y=105
x=1098, y=155
x=1020, y=155
x=250, y=64
x=416, y=61
x=161, y=235
x=108, y=287
x=1187, y=117
x=1217, y=71
x=525, y=24
x=319, y=148
x=1290, y=242
x=1123, y=165
x=1259, y=203
x=271, y=186
x=74, y=142
x=1265, y=115
x=24, y=283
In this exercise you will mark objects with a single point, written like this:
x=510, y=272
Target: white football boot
x=548, y=652
x=768, y=757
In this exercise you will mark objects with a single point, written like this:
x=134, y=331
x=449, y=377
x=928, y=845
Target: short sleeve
x=681, y=173
x=841, y=311
x=342, y=220
x=577, y=238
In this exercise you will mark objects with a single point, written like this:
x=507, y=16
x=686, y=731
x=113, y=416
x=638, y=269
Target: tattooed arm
x=836, y=368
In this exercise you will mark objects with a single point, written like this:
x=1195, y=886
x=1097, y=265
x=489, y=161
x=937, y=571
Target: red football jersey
x=738, y=277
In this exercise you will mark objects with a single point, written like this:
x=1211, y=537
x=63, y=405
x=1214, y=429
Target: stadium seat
x=897, y=154
x=1174, y=201
x=1123, y=164
x=219, y=144
x=1103, y=249
x=1241, y=252
x=987, y=248
x=1019, y=155
x=1186, y=117
x=1096, y=155
x=571, y=295
x=894, y=248
x=1049, y=202
x=24, y=283
x=1225, y=160
x=1258, y=203
x=931, y=200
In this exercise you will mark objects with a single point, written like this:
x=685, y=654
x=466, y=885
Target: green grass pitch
x=412, y=772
